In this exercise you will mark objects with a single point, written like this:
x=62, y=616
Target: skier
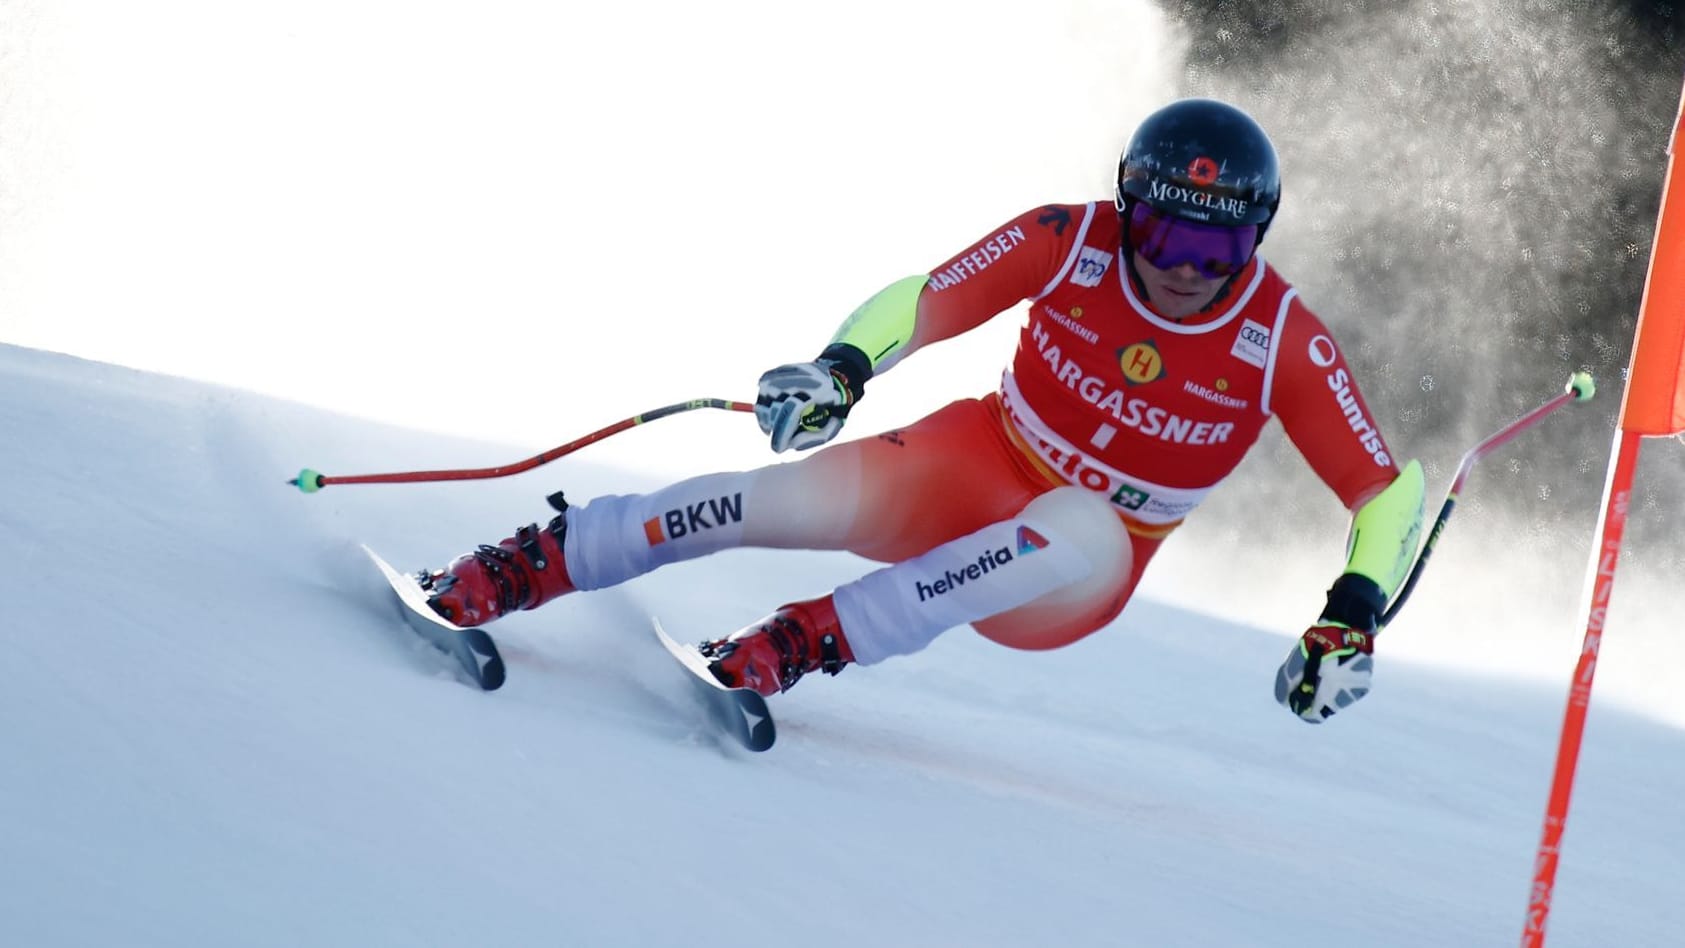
x=1157, y=346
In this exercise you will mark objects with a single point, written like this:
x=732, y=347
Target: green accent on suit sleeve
x=883, y=325
x=1387, y=530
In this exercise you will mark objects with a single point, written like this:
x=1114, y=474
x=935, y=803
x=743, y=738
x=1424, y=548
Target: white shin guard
x=616, y=537
x=902, y=608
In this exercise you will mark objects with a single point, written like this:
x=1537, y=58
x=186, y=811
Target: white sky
x=535, y=219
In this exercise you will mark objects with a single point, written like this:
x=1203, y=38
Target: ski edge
x=741, y=712
x=466, y=645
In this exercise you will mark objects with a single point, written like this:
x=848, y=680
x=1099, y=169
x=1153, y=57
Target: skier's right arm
x=803, y=405
x=1316, y=396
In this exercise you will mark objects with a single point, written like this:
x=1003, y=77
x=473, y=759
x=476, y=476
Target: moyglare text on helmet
x=1164, y=191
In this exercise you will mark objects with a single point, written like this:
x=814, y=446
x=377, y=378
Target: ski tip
x=690, y=657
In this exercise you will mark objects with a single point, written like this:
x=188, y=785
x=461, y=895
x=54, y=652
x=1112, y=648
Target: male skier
x=1158, y=345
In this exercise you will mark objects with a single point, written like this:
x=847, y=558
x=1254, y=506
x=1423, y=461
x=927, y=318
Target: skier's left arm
x=1316, y=396
x=803, y=405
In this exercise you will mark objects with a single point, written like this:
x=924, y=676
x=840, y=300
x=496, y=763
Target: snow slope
x=215, y=731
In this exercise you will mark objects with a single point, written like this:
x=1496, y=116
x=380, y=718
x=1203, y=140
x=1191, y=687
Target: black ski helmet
x=1205, y=161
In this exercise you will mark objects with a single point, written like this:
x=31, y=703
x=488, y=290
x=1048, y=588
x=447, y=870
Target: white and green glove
x=1331, y=665
x=803, y=405
x=1328, y=669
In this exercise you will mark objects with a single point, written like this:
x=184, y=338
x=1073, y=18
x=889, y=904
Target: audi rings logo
x=1322, y=351
x=1255, y=334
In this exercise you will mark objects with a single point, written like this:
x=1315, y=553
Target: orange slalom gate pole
x=310, y=481
x=1653, y=406
x=1617, y=499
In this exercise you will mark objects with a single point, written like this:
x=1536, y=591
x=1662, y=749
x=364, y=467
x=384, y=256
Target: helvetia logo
x=1030, y=541
x=1027, y=541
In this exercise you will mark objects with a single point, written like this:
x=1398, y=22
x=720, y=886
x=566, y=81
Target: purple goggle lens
x=1168, y=242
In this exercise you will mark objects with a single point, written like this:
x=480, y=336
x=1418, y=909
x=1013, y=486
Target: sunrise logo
x=1030, y=541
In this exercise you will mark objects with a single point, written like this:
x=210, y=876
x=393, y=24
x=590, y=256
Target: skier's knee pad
x=1059, y=617
x=1052, y=545
x=1085, y=519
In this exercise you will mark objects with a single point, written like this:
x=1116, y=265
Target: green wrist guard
x=883, y=325
x=1384, y=537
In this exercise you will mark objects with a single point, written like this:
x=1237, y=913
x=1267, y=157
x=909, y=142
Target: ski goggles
x=1168, y=242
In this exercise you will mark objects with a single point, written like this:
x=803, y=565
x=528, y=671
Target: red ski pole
x=310, y=481
x=1580, y=388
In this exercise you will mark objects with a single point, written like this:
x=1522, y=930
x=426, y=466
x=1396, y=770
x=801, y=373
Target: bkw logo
x=694, y=518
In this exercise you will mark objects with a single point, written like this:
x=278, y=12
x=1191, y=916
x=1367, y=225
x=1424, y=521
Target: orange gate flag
x=1655, y=394
x=1654, y=406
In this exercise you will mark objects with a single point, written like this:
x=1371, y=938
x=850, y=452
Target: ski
x=739, y=712
x=473, y=649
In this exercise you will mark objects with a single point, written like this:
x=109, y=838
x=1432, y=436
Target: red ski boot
x=523, y=572
x=774, y=653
